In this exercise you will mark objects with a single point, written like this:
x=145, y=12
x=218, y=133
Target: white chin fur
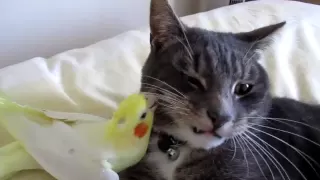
x=226, y=130
x=202, y=141
x=207, y=141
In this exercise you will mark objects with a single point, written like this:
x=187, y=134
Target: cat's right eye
x=242, y=89
x=195, y=83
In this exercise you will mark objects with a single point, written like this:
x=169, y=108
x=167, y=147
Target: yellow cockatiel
x=73, y=146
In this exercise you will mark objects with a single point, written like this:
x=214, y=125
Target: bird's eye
x=143, y=115
x=121, y=121
x=242, y=89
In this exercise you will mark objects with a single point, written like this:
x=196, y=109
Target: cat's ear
x=164, y=24
x=260, y=34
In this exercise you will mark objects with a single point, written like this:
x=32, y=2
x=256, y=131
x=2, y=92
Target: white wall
x=30, y=28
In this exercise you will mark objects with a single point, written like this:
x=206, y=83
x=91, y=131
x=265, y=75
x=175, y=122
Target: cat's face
x=208, y=85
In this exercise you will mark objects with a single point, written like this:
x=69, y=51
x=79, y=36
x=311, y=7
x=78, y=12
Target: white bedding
x=94, y=79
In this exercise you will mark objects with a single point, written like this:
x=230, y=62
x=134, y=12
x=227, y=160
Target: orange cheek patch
x=141, y=130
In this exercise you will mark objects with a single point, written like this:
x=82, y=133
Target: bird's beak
x=141, y=130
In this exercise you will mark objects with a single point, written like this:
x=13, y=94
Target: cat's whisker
x=155, y=94
x=227, y=141
x=170, y=102
x=285, y=157
x=244, y=154
x=173, y=113
x=265, y=161
x=166, y=99
x=301, y=153
x=255, y=158
x=183, y=31
x=283, y=119
x=248, y=60
x=169, y=111
x=156, y=79
x=235, y=149
x=174, y=103
x=252, y=45
x=288, y=132
x=164, y=91
x=283, y=122
x=245, y=55
x=160, y=96
x=270, y=156
x=156, y=90
x=273, y=160
x=171, y=107
x=186, y=48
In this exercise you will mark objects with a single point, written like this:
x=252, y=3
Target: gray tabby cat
x=215, y=117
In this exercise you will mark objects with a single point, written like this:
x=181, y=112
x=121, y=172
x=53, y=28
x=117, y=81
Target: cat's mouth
x=203, y=132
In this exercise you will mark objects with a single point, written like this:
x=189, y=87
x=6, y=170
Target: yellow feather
x=125, y=137
x=120, y=131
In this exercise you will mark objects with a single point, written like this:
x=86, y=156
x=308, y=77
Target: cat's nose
x=222, y=120
x=218, y=120
x=212, y=116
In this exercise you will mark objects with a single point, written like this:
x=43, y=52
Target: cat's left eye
x=242, y=89
x=195, y=83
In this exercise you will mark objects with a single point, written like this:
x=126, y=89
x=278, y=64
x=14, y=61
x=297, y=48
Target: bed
x=87, y=80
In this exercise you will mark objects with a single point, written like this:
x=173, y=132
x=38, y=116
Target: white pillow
x=94, y=79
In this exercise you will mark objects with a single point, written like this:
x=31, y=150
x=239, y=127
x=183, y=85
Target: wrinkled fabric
x=95, y=78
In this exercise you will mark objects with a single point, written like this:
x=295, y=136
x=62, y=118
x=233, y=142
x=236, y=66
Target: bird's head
x=133, y=118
